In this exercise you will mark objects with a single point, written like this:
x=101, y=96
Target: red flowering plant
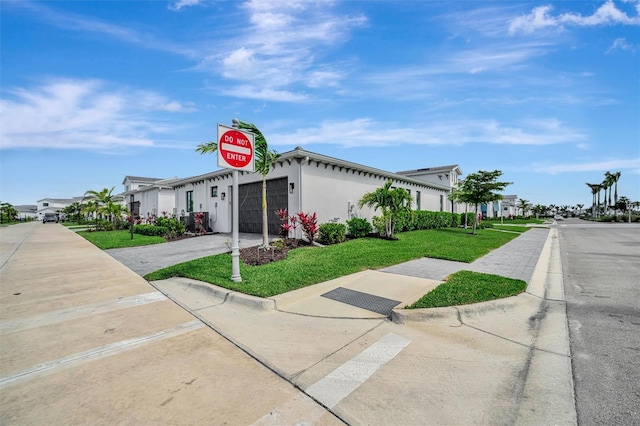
x=309, y=225
x=200, y=230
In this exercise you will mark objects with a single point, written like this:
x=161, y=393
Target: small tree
x=390, y=201
x=480, y=187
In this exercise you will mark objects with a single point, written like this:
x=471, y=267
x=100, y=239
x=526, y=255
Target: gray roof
x=433, y=170
x=300, y=154
x=140, y=179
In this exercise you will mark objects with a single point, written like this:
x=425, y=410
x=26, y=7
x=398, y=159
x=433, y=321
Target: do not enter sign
x=235, y=149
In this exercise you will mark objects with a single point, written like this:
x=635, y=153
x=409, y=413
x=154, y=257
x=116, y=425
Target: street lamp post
x=131, y=198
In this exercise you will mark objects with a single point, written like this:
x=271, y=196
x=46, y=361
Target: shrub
x=358, y=227
x=379, y=224
x=331, y=233
x=151, y=230
x=173, y=227
x=309, y=225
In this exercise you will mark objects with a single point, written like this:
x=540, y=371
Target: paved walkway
x=516, y=259
x=145, y=259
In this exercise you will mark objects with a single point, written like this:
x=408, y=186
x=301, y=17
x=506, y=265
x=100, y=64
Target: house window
x=441, y=202
x=417, y=200
x=45, y=204
x=189, y=201
x=214, y=191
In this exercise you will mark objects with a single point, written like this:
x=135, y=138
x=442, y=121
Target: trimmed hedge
x=331, y=233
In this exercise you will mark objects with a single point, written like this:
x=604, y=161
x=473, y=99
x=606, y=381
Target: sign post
x=236, y=152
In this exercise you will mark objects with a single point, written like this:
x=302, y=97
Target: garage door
x=250, y=205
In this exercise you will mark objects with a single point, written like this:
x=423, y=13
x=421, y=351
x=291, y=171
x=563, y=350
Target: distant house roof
x=299, y=154
x=141, y=179
x=433, y=170
x=26, y=208
x=60, y=200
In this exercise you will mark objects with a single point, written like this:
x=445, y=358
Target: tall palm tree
x=616, y=177
x=595, y=188
x=579, y=206
x=609, y=180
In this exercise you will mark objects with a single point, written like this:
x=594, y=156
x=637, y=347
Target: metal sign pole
x=235, y=249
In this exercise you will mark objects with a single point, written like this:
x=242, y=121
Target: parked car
x=50, y=217
x=558, y=217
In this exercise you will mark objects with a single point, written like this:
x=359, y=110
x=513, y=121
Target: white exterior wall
x=328, y=190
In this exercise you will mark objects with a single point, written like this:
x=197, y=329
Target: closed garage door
x=250, y=205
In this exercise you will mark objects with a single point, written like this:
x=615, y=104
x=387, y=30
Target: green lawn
x=465, y=287
x=311, y=265
x=118, y=239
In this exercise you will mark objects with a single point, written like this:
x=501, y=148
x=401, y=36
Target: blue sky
x=547, y=92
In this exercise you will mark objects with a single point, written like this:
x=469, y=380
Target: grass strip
x=465, y=287
x=119, y=239
x=311, y=265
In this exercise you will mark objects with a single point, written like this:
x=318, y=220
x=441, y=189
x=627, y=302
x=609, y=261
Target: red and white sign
x=235, y=149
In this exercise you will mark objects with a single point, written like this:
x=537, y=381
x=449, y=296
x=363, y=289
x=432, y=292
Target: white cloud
x=84, y=114
x=365, y=132
x=179, y=4
x=632, y=165
x=280, y=46
x=540, y=17
x=621, y=44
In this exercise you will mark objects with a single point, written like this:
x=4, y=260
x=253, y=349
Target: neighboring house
x=26, y=212
x=54, y=205
x=149, y=196
x=302, y=181
x=507, y=207
x=445, y=176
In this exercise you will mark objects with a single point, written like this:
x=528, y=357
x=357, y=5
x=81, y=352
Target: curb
x=228, y=296
x=544, y=273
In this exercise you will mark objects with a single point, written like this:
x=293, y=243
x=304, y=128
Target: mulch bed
x=255, y=255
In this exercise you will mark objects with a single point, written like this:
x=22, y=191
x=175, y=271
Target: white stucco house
x=304, y=181
x=54, y=205
x=26, y=212
x=149, y=196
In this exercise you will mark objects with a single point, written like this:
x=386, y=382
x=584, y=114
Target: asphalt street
x=601, y=272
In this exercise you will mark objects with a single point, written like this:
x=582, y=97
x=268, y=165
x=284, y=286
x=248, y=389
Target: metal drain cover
x=370, y=302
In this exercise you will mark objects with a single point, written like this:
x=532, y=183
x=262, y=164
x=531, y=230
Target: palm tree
x=104, y=203
x=524, y=205
x=609, y=180
x=579, y=206
x=264, y=159
x=390, y=202
x=539, y=209
x=595, y=188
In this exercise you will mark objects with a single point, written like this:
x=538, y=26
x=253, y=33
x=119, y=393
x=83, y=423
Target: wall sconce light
x=291, y=186
x=222, y=195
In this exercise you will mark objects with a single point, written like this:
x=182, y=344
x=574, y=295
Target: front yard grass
x=465, y=287
x=118, y=239
x=311, y=265
x=512, y=228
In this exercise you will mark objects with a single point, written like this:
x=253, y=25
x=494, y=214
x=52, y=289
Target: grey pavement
x=499, y=362
x=145, y=259
x=516, y=259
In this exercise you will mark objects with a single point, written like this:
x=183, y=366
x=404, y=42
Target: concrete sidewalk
x=501, y=362
x=505, y=361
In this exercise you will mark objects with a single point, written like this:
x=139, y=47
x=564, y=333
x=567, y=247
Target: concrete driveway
x=145, y=259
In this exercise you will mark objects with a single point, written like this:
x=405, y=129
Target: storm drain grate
x=370, y=302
